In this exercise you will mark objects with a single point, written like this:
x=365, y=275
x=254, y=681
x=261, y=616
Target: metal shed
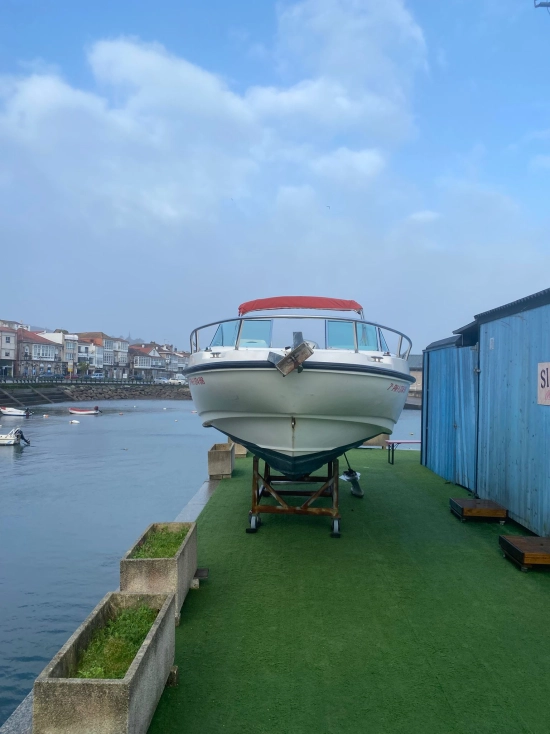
x=486, y=408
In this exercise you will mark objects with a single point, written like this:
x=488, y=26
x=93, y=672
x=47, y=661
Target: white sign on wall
x=543, y=381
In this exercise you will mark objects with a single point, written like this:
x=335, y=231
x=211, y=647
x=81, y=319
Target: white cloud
x=349, y=167
x=424, y=216
x=192, y=195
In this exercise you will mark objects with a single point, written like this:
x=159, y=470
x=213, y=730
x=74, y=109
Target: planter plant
x=109, y=676
x=162, y=561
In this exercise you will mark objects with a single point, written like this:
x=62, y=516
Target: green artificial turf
x=161, y=543
x=410, y=623
x=113, y=647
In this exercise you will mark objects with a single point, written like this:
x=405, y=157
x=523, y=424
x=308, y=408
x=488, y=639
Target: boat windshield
x=325, y=332
x=341, y=335
x=254, y=333
x=226, y=334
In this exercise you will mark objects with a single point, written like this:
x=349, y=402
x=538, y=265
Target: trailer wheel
x=335, y=529
x=255, y=523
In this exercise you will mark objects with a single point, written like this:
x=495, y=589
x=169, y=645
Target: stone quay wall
x=127, y=392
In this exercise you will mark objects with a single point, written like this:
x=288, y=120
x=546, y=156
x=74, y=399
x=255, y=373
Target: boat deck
x=411, y=622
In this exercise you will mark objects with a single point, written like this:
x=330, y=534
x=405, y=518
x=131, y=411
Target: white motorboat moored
x=290, y=401
x=16, y=412
x=13, y=438
x=85, y=411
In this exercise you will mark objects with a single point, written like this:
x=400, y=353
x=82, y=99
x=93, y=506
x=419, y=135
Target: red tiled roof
x=29, y=336
x=95, y=337
x=6, y=328
x=140, y=350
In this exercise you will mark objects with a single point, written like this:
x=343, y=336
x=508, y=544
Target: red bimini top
x=314, y=302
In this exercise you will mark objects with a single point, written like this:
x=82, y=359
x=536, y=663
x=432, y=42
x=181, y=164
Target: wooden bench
x=465, y=508
x=391, y=444
x=526, y=550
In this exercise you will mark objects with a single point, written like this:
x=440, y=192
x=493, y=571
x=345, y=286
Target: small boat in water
x=13, y=438
x=299, y=390
x=85, y=411
x=15, y=412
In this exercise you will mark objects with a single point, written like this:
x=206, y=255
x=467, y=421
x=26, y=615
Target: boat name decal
x=396, y=388
x=197, y=381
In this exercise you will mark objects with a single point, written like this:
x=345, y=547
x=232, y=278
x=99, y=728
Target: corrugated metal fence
x=449, y=415
x=483, y=429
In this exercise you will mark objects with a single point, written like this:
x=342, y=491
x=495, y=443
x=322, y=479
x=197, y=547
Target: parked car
x=177, y=381
x=137, y=377
x=161, y=380
x=97, y=376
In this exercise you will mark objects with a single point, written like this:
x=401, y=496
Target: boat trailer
x=277, y=486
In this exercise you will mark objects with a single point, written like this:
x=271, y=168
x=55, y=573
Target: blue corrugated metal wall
x=439, y=413
x=514, y=431
x=466, y=389
x=449, y=413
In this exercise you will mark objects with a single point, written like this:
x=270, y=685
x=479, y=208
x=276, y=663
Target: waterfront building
x=121, y=360
x=486, y=408
x=69, y=347
x=14, y=325
x=158, y=359
x=141, y=360
x=37, y=356
x=91, y=354
x=8, y=351
x=172, y=361
x=103, y=344
x=183, y=360
x=168, y=353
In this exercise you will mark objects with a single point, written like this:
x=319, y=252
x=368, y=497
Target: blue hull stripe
x=326, y=366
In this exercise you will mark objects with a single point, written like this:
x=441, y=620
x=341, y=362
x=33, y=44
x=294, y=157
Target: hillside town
x=32, y=354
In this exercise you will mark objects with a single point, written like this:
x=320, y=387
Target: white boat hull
x=13, y=438
x=319, y=411
x=16, y=412
x=75, y=411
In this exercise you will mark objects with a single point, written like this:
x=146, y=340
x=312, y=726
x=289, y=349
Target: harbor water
x=74, y=501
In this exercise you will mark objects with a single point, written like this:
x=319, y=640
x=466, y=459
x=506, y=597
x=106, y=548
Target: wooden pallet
x=465, y=508
x=526, y=550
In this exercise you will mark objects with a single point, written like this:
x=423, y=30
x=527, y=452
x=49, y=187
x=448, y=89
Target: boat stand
x=263, y=486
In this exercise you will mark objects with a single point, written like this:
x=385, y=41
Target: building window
x=8, y=339
x=6, y=354
x=43, y=351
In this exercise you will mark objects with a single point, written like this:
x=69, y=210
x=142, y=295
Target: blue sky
x=162, y=162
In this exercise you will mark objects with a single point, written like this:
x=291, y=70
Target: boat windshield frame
x=402, y=338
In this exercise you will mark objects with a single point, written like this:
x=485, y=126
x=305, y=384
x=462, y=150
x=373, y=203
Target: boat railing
x=403, y=349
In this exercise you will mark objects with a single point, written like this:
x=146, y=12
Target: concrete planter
x=97, y=706
x=162, y=575
x=240, y=451
x=221, y=460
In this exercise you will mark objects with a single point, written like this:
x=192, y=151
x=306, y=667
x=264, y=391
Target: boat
x=15, y=412
x=298, y=390
x=13, y=438
x=85, y=411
